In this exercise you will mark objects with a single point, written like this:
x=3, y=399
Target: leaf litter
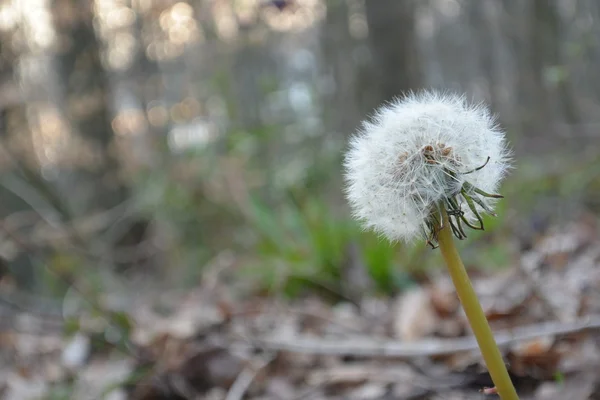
x=215, y=344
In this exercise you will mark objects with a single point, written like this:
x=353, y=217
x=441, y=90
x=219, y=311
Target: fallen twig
x=356, y=373
x=365, y=346
x=245, y=378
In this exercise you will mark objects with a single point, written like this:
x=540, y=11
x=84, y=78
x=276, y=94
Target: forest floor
x=209, y=343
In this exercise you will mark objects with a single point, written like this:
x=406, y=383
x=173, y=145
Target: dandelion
x=420, y=153
x=429, y=165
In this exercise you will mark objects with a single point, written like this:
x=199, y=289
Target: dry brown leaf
x=535, y=358
x=414, y=315
x=443, y=297
x=450, y=327
x=533, y=348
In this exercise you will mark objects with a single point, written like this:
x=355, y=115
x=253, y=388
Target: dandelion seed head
x=416, y=151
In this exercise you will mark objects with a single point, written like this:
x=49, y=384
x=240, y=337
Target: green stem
x=475, y=315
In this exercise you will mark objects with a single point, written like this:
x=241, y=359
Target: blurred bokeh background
x=142, y=140
x=156, y=146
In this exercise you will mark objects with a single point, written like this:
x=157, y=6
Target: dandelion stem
x=475, y=315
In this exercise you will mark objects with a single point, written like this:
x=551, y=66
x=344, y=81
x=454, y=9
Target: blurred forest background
x=149, y=137
x=144, y=141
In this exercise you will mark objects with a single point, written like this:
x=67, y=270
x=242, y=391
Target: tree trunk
x=393, y=44
x=92, y=185
x=545, y=57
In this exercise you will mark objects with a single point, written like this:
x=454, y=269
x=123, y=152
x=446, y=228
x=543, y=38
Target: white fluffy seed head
x=414, y=153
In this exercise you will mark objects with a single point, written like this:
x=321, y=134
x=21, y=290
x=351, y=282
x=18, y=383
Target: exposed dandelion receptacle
x=420, y=153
